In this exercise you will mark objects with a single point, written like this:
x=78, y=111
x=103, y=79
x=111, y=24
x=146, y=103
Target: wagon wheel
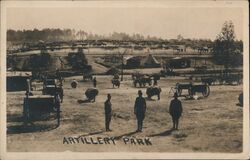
x=206, y=92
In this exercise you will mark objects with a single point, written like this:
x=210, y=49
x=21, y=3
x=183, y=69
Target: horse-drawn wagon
x=142, y=80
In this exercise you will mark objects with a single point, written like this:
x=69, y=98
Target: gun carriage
x=192, y=89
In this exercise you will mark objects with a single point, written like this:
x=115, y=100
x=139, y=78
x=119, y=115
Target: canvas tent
x=150, y=61
x=133, y=62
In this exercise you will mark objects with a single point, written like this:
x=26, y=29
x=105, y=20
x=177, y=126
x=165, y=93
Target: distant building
x=179, y=48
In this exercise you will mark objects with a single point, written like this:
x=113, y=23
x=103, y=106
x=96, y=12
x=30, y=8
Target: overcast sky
x=160, y=22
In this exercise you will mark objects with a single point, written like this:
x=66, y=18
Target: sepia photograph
x=125, y=79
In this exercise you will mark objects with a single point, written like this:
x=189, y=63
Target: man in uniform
x=140, y=110
x=175, y=110
x=108, y=112
x=94, y=82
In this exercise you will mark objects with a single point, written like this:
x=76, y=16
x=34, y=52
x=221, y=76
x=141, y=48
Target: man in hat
x=140, y=110
x=94, y=82
x=108, y=112
x=175, y=110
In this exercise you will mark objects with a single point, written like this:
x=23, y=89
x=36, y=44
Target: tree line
x=226, y=49
x=50, y=34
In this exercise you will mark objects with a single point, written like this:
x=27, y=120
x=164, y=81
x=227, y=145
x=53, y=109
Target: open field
x=212, y=124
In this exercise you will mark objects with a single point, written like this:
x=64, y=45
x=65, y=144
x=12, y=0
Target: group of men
x=140, y=107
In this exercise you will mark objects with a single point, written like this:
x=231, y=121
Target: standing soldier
x=175, y=111
x=139, y=110
x=155, y=80
x=94, y=82
x=108, y=112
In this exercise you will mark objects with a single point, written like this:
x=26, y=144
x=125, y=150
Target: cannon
x=51, y=87
x=91, y=93
x=192, y=89
x=202, y=88
x=179, y=87
x=153, y=91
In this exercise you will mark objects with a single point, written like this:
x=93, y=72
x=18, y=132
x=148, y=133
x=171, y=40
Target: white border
x=124, y=155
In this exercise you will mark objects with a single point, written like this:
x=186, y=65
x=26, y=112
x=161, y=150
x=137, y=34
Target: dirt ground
x=212, y=124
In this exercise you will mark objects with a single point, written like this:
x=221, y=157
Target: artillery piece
x=192, y=89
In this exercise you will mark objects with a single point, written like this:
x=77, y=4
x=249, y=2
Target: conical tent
x=150, y=61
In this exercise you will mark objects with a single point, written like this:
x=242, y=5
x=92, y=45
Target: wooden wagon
x=40, y=107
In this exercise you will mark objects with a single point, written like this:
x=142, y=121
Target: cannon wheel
x=206, y=92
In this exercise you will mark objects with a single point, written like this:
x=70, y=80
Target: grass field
x=212, y=124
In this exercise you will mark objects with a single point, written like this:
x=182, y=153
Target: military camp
x=128, y=89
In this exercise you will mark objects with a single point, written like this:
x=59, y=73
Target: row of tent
x=151, y=62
